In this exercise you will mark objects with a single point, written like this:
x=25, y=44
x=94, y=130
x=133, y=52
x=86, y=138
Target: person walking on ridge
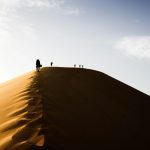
x=38, y=65
x=51, y=64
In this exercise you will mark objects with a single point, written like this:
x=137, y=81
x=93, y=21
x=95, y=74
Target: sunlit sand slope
x=72, y=109
x=20, y=114
x=85, y=109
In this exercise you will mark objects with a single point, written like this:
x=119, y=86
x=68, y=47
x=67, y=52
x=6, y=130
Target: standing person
x=38, y=65
x=51, y=64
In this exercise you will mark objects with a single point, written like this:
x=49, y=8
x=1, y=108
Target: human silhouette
x=74, y=65
x=51, y=64
x=38, y=65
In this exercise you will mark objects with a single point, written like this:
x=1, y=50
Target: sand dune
x=70, y=109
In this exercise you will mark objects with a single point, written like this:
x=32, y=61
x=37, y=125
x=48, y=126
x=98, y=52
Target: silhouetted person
x=79, y=66
x=82, y=66
x=38, y=65
x=51, y=64
x=74, y=65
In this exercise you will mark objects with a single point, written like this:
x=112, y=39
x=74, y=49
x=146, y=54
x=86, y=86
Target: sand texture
x=72, y=109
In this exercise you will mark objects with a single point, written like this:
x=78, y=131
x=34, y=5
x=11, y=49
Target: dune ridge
x=72, y=108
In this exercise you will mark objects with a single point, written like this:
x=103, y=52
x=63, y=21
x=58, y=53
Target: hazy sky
x=112, y=36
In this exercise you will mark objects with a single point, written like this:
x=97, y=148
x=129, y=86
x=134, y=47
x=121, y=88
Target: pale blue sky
x=112, y=36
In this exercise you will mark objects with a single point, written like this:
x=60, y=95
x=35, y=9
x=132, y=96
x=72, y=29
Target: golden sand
x=21, y=113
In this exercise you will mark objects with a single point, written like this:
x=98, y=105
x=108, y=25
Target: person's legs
x=37, y=69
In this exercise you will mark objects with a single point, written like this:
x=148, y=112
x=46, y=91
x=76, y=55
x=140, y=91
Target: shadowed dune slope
x=85, y=109
x=72, y=109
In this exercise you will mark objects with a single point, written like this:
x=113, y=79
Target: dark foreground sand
x=72, y=109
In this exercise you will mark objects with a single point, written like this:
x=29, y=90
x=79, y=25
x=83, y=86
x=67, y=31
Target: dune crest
x=72, y=108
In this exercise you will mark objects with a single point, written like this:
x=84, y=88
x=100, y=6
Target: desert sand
x=72, y=109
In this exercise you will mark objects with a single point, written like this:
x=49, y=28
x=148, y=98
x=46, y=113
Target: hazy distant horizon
x=111, y=36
